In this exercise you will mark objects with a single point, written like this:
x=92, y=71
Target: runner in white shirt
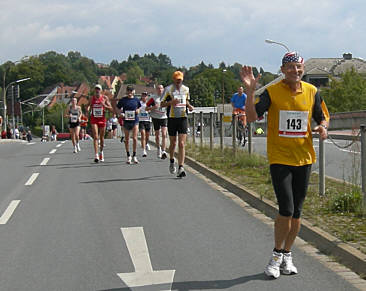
x=144, y=124
x=159, y=120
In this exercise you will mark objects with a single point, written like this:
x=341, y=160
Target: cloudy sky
x=187, y=31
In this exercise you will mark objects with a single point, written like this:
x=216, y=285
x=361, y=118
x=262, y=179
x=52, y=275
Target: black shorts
x=114, y=126
x=290, y=184
x=177, y=125
x=74, y=124
x=129, y=125
x=145, y=125
x=159, y=123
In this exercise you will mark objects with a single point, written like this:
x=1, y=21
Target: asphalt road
x=66, y=232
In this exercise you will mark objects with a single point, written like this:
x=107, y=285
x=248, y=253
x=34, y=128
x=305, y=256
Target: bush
x=350, y=202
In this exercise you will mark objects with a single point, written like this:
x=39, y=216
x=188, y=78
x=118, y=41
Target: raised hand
x=247, y=77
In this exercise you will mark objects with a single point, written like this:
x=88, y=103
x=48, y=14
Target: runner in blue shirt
x=128, y=108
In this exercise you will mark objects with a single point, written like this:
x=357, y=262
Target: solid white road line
x=31, y=179
x=53, y=151
x=45, y=161
x=9, y=211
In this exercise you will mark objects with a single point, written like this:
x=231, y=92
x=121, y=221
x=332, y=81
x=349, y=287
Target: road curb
x=325, y=242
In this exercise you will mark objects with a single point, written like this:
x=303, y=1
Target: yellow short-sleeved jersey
x=170, y=93
x=289, y=140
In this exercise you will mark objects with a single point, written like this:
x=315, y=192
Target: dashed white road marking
x=30, y=143
x=45, y=161
x=59, y=145
x=53, y=151
x=63, y=141
x=31, y=179
x=9, y=211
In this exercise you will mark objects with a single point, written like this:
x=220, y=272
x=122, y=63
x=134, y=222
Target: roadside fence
x=219, y=125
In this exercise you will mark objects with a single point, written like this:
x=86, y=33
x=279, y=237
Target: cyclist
x=238, y=104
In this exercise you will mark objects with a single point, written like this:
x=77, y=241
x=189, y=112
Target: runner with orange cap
x=176, y=99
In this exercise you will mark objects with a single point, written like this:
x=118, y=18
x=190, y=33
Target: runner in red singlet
x=96, y=109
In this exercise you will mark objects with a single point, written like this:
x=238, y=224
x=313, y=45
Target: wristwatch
x=322, y=125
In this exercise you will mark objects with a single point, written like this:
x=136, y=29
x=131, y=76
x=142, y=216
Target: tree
x=347, y=93
x=134, y=74
x=201, y=92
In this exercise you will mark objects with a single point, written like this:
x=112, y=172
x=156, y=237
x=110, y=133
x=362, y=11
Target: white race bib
x=182, y=100
x=130, y=115
x=73, y=118
x=98, y=112
x=144, y=116
x=293, y=123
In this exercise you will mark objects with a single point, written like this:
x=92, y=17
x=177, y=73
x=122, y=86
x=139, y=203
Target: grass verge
x=339, y=211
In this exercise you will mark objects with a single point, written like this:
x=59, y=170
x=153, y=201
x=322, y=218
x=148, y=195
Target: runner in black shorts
x=291, y=104
x=160, y=121
x=176, y=99
x=144, y=124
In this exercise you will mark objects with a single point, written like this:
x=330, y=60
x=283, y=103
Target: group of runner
x=167, y=110
x=291, y=105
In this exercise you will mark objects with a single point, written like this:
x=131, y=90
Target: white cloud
x=187, y=31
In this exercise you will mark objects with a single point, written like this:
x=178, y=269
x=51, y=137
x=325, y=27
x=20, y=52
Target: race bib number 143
x=293, y=123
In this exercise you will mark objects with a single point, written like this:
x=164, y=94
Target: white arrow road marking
x=9, y=211
x=45, y=161
x=31, y=179
x=59, y=145
x=144, y=275
x=53, y=151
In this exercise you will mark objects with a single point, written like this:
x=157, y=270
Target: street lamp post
x=4, y=92
x=12, y=96
x=279, y=43
x=223, y=92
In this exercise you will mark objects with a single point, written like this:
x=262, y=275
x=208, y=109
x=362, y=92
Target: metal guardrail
x=360, y=137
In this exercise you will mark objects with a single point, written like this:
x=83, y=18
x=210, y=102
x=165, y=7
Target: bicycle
x=241, y=129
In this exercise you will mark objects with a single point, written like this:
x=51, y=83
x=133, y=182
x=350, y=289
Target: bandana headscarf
x=292, y=57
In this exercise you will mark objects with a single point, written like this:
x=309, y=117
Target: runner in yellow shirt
x=291, y=105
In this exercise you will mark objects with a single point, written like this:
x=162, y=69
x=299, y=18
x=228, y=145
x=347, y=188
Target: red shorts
x=101, y=122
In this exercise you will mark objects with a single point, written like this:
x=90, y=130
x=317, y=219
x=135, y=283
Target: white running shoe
x=287, y=265
x=75, y=150
x=147, y=147
x=78, y=147
x=144, y=155
x=172, y=168
x=129, y=160
x=101, y=156
x=181, y=172
x=135, y=160
x=273, y=267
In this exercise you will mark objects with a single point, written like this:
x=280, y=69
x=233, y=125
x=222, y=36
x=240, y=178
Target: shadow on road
x=200, y=285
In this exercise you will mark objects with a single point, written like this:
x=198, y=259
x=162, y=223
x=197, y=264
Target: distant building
x=110, y=82
x=318, y=70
